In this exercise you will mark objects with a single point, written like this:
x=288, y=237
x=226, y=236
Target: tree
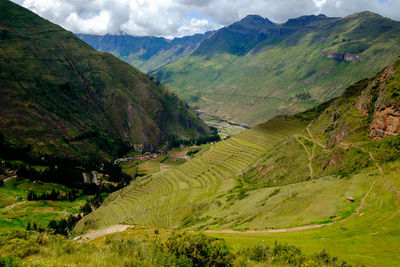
x=32, y=195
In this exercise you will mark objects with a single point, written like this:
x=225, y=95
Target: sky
x=176, y=18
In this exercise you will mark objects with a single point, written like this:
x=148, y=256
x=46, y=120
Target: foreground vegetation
x=149, y=248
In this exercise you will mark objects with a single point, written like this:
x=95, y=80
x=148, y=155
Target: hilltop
x=62, y=98
x=333, y=167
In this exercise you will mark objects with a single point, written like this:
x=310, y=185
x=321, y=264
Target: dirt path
x=376, y=163
x=310, y=156
x=315, y=141
x=359, y=208
x=103, y=232
x=285, y=230
x=10, y=178
x=14, y=205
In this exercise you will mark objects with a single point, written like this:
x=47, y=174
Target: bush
x=259, y=253
x=287, y=254
x=282, y=254
x=21, y=248
x=200, y=249
x=8, y=262
x=139, y=253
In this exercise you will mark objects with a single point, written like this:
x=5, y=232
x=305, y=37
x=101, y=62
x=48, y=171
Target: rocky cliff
x=385, y=123
x=386, y=112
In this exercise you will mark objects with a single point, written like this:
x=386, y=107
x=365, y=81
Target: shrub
x=200, y=249
x=21, y=248
x=139, y=253
x=287, y=254
x=8, y=262
x=259, y=253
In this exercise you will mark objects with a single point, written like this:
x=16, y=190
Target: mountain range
x=255, y=69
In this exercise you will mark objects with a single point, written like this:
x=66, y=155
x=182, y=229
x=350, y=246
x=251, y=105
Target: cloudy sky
x=171, y=18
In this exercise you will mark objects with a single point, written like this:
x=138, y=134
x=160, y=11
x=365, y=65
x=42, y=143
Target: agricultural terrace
x=164, y=199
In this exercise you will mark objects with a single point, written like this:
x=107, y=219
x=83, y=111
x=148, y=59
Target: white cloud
x=185, y=17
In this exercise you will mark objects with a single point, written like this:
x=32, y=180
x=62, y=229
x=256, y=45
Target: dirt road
x=103, y=232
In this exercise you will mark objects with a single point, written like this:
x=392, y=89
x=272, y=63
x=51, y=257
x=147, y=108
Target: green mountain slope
x=288, y=172
x=146, y=53
x=61, y=97
x=254, y=70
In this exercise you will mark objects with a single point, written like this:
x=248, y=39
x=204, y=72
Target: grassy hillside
x=61, y=97
x=254, y=70
x=297, y=171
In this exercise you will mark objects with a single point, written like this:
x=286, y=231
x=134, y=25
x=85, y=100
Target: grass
x=16, y=211
x=369, y=238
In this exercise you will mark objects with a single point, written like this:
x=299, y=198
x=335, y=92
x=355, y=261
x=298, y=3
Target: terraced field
x=165, y=198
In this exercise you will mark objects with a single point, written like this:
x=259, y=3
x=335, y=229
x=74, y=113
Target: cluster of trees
x=193, y=152
x=91, y=204
x=2, y=167
x=62, y=173
x=60, y=170
x=64, y=226
x=54, y=195
x=34, y=227
x=68, y=174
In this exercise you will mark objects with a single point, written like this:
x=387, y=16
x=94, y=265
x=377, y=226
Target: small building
x=350, y=199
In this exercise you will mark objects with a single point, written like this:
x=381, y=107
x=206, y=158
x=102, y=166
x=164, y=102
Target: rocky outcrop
x=345, y=57
x=385, y=123
x=387, y=74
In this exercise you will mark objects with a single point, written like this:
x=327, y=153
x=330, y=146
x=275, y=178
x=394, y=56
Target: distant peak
x=254, y=19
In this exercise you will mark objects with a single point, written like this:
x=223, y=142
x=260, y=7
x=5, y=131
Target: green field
x=369, y=237
x=16, y=211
